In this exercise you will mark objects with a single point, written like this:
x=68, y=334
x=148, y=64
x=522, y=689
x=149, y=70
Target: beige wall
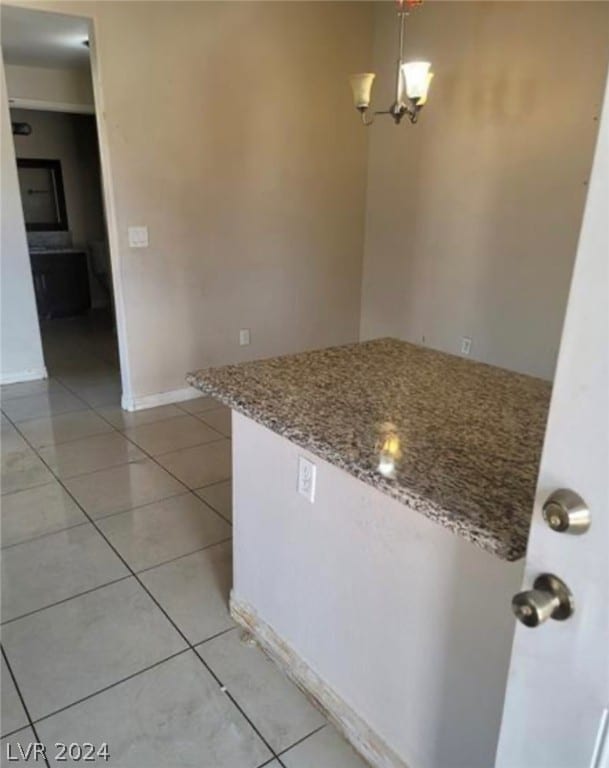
x=50, y=86
x=230, y=134
x=20, y=346
x=473, y=215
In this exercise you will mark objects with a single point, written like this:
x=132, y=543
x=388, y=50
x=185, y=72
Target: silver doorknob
x=550, y=598
x=566, y=512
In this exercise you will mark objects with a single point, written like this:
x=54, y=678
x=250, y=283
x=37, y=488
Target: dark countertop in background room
x=465, y=438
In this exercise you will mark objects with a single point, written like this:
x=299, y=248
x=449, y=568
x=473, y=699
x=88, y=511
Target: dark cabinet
x=61, y=283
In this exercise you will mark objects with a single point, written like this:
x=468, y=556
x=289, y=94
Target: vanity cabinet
x=61, y=283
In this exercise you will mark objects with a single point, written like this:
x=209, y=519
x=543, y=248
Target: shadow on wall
x=473, y=215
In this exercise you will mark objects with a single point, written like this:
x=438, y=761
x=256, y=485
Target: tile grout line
x=304, y=738
x=114, y=428
x=22, y=700
x=159, y=606
x=64, y=600
x=39, y=536
x=153, y=458
x=127, y=677
x=113, y=581
x=111, y=685
x=190, y=646
x=177, y=479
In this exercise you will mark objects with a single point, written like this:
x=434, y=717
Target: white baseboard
x=31, y=374
x=161, y=398
x=357, y=732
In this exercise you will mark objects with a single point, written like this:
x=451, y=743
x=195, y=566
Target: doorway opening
x=47, y=62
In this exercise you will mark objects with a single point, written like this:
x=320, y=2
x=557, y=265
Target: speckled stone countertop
x=458, y=441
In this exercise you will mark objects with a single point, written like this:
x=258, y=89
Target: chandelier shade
x=361, y=85
x=417, y=79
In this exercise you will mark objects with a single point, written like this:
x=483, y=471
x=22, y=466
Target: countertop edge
x=510, y=551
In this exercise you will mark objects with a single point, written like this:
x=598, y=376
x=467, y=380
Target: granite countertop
x=455, y=440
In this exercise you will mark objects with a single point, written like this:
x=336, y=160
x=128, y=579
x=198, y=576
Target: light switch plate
x=138, y=237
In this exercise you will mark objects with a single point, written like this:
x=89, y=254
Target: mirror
x=42, y=196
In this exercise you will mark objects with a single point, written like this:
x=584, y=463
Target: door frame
x=108, y=187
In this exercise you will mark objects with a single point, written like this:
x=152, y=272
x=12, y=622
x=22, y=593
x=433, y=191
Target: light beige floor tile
x=172, y=715
x=77, y=375
x=53, y=430
x=13, y=714
x=277, y=708
x=201, y=465
x=172, y=434
x=90, y=454
x=199, y=404
x=43, y=571
x=220, y=497
x=219, y=419
x=25, y=388
x=150, y=535
x=327, y=748
x=73, y=649
x=10, y=747
x=49, y=403
x=11, y=441
x=194, y=590
x=101, y=395
x=23, y=469
x=36, y=512
x=124, y=419
x=124, y=487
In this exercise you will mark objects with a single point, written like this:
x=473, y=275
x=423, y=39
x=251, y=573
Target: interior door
x=555, y=713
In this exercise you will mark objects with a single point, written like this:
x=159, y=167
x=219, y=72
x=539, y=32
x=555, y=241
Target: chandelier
x=412, y=80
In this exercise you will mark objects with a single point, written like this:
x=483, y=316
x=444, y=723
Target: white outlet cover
x=244, y=337
x=138, y=237
x=466, y=345
x=307, y=475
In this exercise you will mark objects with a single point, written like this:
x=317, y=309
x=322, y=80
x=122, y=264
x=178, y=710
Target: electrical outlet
x=307, y=472
x=466, y=345
x=244, y=337
x=138, y=237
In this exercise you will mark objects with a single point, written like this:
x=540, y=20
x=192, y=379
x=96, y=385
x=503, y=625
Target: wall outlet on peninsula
x=244, y=337
x=466, y=345
x=307, y=472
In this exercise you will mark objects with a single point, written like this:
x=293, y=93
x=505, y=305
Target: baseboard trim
x=161, y=398
x=31, y=374
x=357, y=732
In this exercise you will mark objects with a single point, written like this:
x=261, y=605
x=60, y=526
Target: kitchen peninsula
x=387, y=598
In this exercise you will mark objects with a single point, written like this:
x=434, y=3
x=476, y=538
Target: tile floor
x=116, y=570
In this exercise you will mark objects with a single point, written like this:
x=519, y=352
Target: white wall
x=50, y=87
x=473, y=214
x=21, y=350
x=405, y=622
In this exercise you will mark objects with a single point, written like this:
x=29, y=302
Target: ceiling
x=39, y=39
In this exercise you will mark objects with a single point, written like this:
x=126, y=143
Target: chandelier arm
x=398, y=77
